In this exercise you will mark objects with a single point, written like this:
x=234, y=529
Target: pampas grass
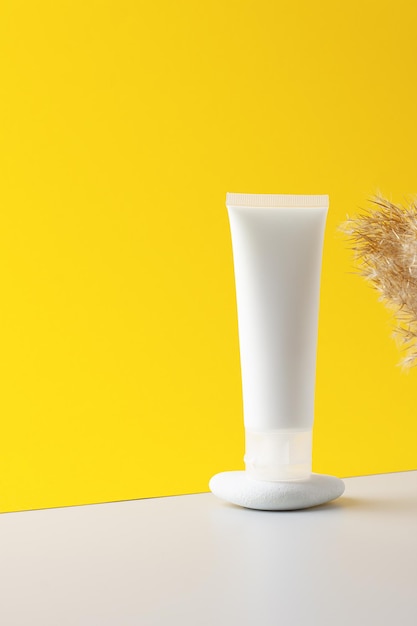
x=384, y=243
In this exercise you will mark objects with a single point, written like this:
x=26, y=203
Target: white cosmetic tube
x=277, y=243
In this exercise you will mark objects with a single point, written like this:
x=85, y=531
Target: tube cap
x=279, y=454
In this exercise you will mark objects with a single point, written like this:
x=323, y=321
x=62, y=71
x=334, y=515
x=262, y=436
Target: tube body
x=277, y=243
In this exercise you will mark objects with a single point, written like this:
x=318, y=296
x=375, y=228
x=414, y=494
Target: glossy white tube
x=277, y=245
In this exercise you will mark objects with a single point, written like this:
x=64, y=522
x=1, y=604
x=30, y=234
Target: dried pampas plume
x=384, y=241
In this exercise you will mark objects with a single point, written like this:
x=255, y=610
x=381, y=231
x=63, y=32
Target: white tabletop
x=193, y=560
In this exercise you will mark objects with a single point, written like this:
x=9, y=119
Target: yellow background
x=123, y=124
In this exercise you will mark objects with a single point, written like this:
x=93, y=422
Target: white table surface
x=193, y=560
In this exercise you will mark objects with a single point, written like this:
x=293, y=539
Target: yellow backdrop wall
x=123, y=124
